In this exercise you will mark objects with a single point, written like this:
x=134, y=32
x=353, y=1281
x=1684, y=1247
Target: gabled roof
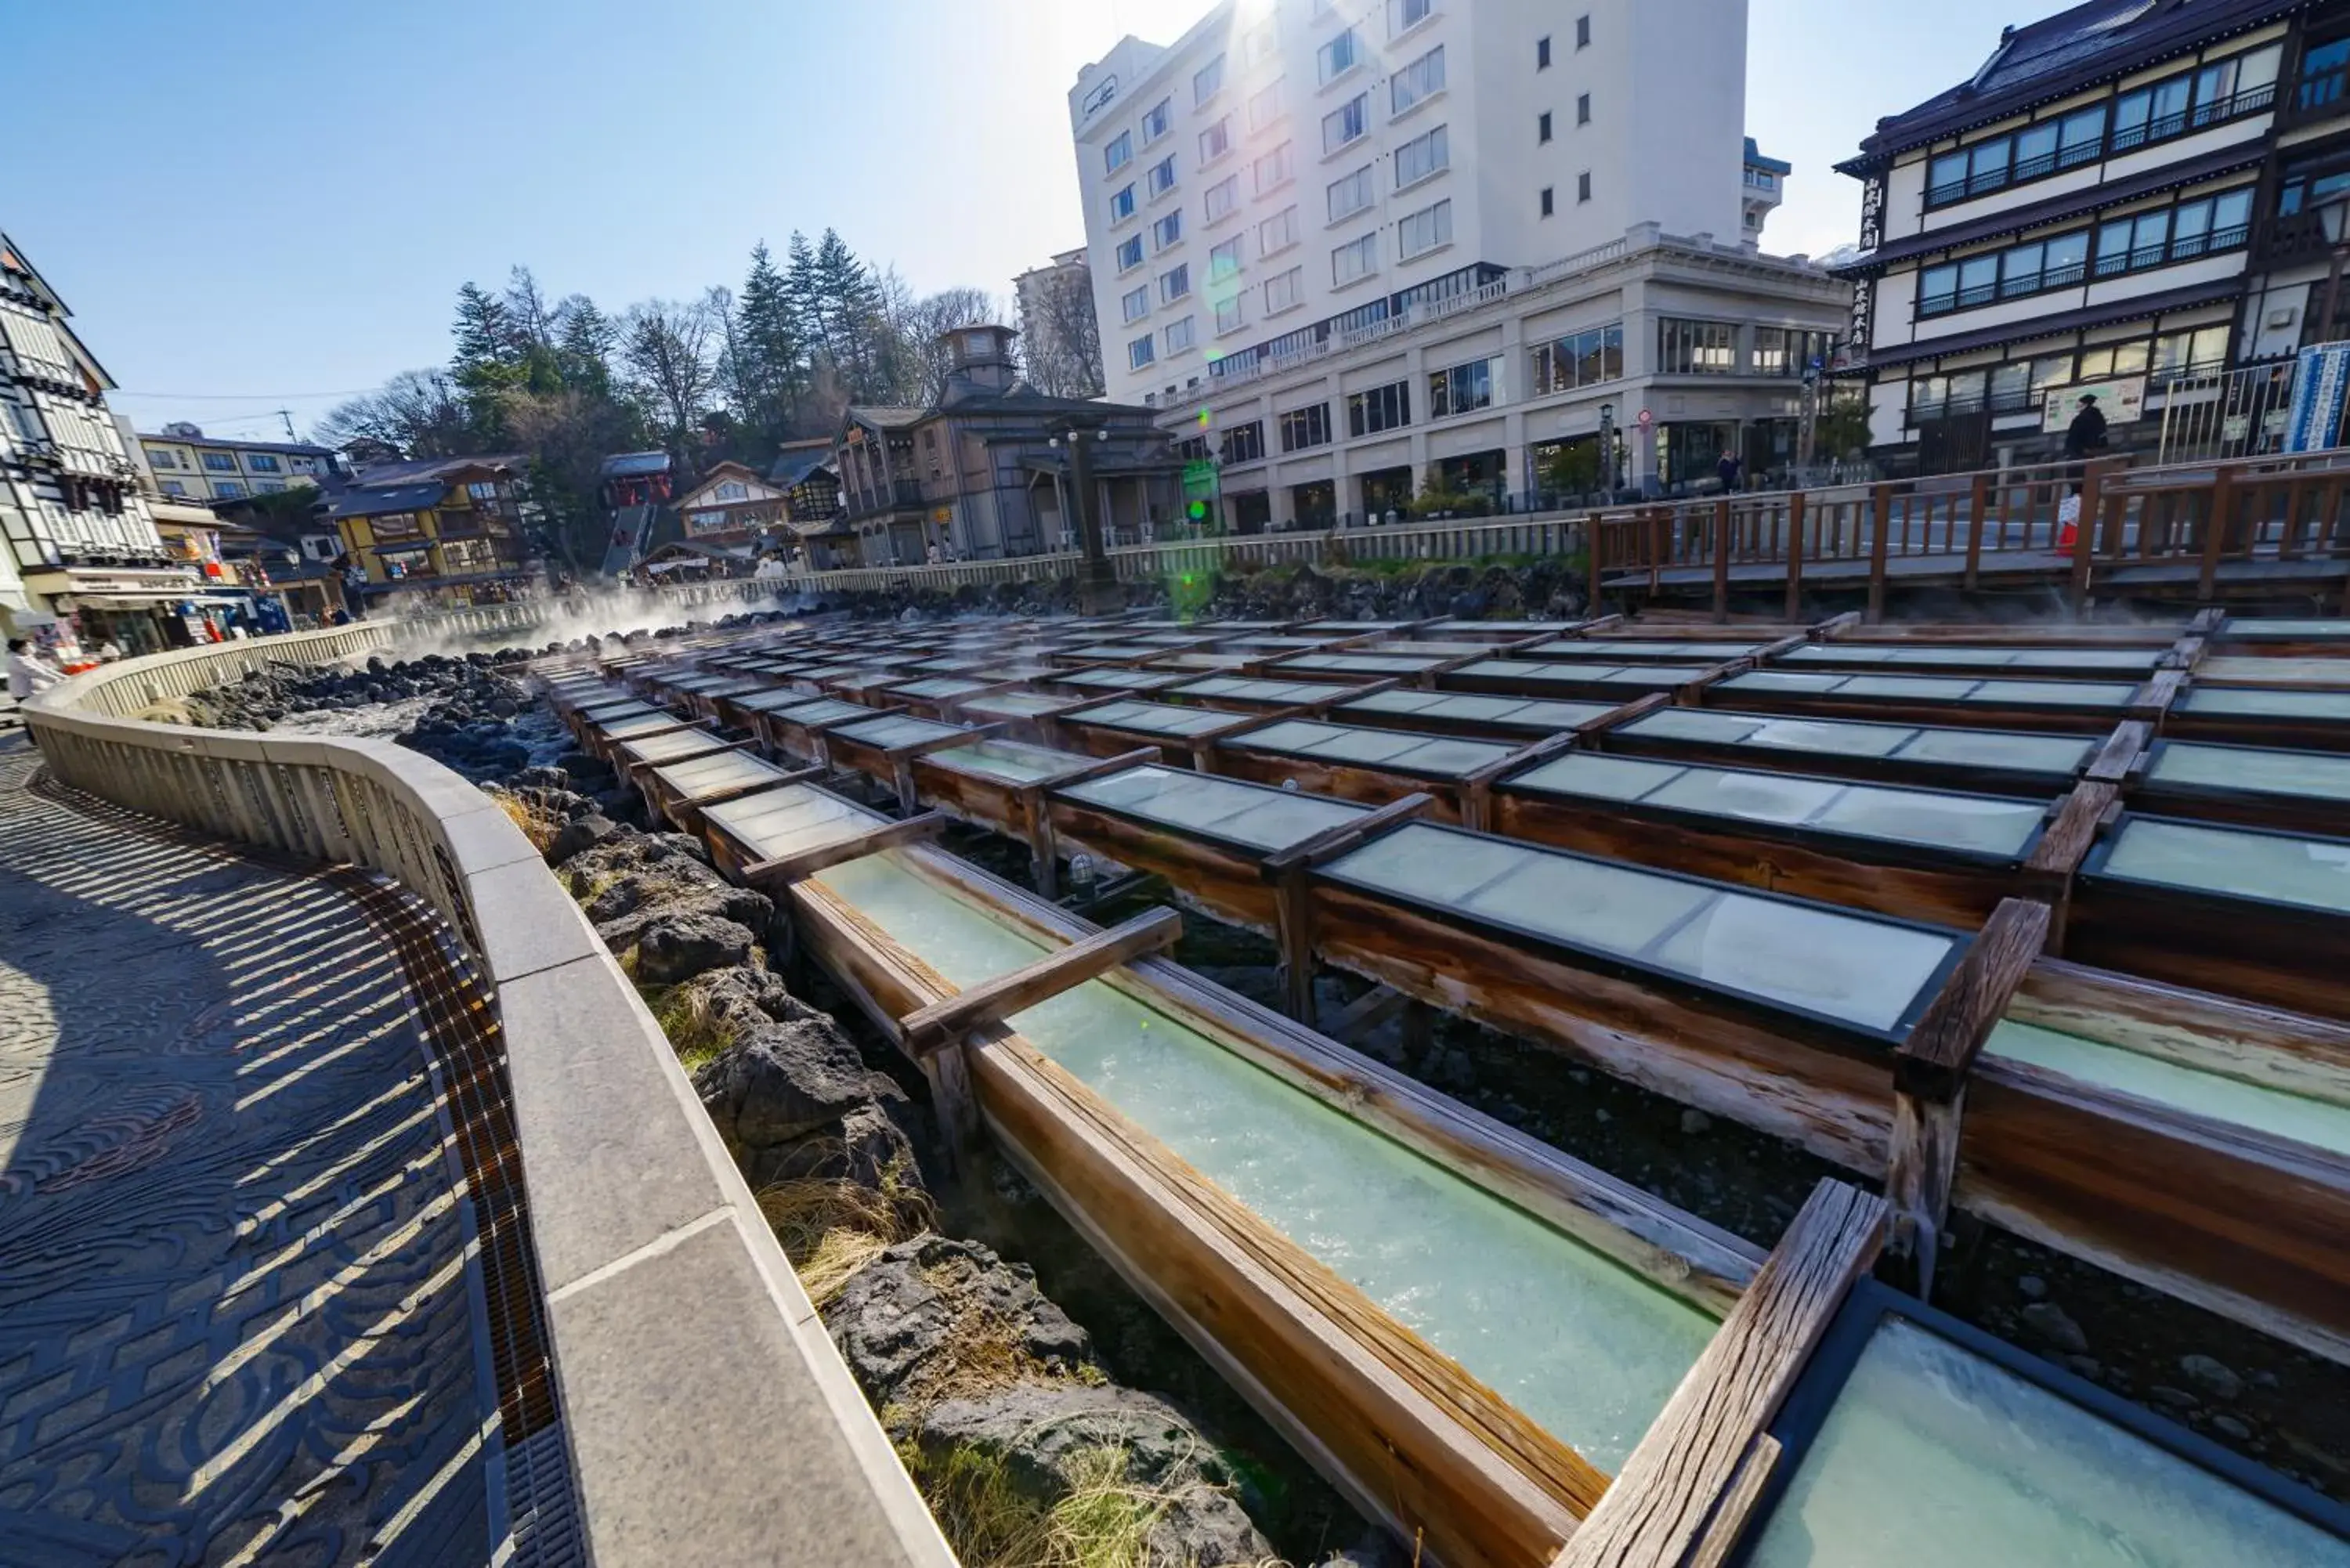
x=376, y=501
x=793, y=467
x=632, y=464
x=292, y=448
x=720, y=474
x=886, y=417
x=2062, y=55
x=417, y=471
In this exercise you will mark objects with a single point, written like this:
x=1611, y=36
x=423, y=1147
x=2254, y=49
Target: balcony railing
x=895, y=496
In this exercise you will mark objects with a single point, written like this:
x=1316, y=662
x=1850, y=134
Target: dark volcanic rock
x=1045, y=1433
x=895, y=1321
x=578, y=836
x=677, y=947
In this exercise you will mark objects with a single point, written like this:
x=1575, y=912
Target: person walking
x=28, y=675
x=2087, y=433
x=1726, y=470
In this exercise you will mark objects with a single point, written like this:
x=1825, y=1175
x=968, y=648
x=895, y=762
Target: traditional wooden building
x=731, y=506
x=446, y=530
x=982, y=474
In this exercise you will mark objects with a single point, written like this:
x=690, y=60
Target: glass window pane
x=1854, y=969
x=2312, y=872
x=1588, y=903
x=1977, y=824
x=2256, y=770
x=1932, y=1456
x=1783, y=799
x=1605, y=778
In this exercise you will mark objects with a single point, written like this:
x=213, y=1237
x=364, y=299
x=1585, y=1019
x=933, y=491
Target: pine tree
x=585, y=339
x=806, y=297
x=772, y=351
x=486, y=366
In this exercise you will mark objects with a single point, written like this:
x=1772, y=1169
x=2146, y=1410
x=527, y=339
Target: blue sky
x=257, y=203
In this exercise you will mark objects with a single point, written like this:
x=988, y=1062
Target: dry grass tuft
x=1103, y=1519
x=696, y=1032
x=536, y=826
x=830, y=1228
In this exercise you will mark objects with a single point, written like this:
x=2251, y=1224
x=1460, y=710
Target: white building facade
x=2123, y=197
x=76, y=532
x=1497, y=397
x=1292, y=170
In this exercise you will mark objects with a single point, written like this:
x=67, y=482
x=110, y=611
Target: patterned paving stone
x=236, y=1322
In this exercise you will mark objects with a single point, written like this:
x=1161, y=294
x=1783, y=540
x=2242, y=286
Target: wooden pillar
x=1721, y=561
x=2215, y=533
x=1880, y=513
x=1795, y=509
x=1978, y=509
x=2085, y=533
x=1293, y=921
x=1593, y=530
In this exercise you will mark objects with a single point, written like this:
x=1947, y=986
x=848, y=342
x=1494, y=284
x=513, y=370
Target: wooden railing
x=2276, y=516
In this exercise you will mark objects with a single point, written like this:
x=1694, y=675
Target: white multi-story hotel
x=1302, y=166
x=1365, y=249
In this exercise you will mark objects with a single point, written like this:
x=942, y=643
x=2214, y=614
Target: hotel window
x=1174, y=284
x=1179, y=335
x=2218, y=91
x=2051, y=145
x=1790, y=350
x=1422, y=156
x=1116, y=156
x=1583, y=186
x=1245, y=444
x=1583, y=109
x=162, y=459
x=1351, y=194
x=1278, y=232
x=1421, y=232
x=2199, y=353
x=1155, y=123
x=1229, y=315
x=2168, y=235
x=1696, y=347
x=1216, y=141
x=1347, y=123
x=1258, y=46
x=1542, y=54
x=2113, y=361
x=1283, y=293
x=262, y=462
x=1416, y=80
x=462, y=556
x=1162, y=177
x=220, y=462
x=1387, y=408
x=2060, y=261
x=1223, y=198
x=1121, y=203
x=1547, y=204
x=1339, y=56
x=1411, y=14
x=1265, y=105
x=1583, y=358
x=1583, y=32
x=1542, y=126
x=1141, y=351
x=1305, y=427
x=1135, y=304
x=1225, y=260
x=1272, y=169
x=1355, y=259
x=173, y=487
x=227, y=489
x=1129, y=253
x=1465, y=389
x=1206, y=81
x=1167, y=231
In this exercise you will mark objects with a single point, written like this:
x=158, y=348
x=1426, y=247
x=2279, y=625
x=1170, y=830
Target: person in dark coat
x=2087, y=433
x=1726, y=470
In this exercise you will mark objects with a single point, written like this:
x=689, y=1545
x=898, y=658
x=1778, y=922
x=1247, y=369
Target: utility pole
x=288, y=415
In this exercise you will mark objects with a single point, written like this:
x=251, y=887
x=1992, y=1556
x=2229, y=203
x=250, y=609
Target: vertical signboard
x=2319, y=384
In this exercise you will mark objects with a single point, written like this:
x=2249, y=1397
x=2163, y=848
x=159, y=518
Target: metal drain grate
x=534, y=1508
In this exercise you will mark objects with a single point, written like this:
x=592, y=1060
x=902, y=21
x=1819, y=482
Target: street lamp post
x=1096, y=585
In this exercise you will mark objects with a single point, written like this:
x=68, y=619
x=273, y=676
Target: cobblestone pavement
x=236, y=1322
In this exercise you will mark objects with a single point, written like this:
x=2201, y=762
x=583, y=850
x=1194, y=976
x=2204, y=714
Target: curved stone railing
x=709, y=1417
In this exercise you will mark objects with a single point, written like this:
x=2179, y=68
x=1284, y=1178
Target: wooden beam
x=2152, y=700
x=1659, y=1506
x=1721, y=561
x=789, y=868
x=1880, y=510
x=1932, y=1063
x=1365, y=1014
x=2111, y=762
x=1795, y=508
x=1136, y=758
x=1344, y=836
x=1920, y=1167
x=942, y=1023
